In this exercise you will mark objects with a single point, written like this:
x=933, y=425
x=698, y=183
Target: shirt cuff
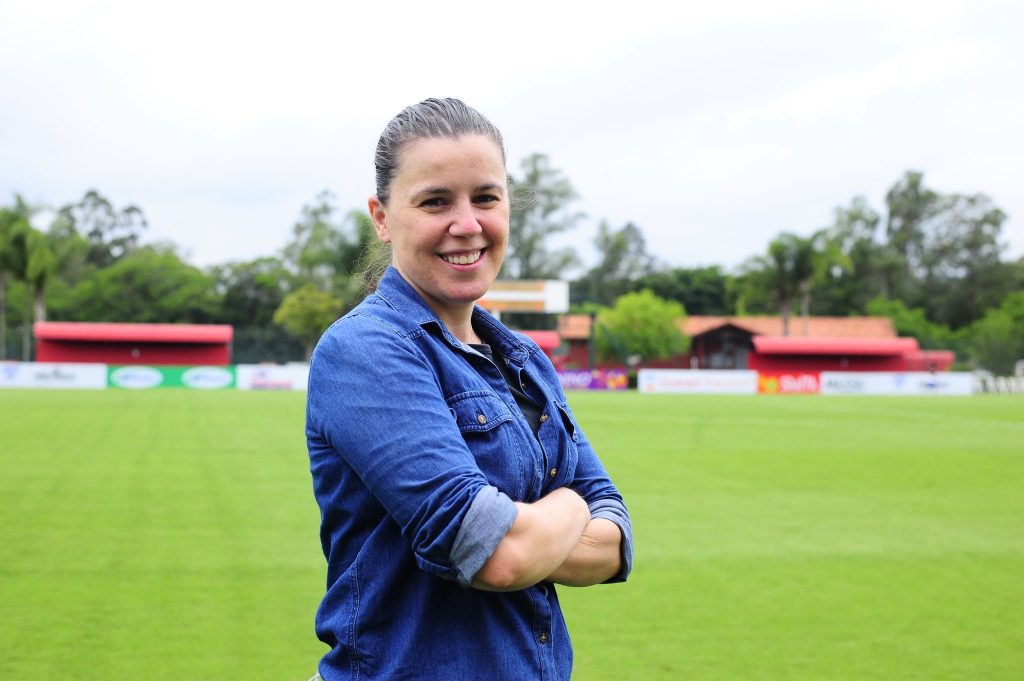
x=615, y=511
x=489, y=518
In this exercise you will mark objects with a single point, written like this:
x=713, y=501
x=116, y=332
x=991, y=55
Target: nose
x=464, y=222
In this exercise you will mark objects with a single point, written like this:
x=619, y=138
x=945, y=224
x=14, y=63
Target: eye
x=486, y=198
x=433, y=202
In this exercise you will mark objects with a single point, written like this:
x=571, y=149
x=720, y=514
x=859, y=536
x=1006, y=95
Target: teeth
x=463, y=259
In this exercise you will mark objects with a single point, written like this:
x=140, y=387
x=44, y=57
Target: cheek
x=502, y=236
x=499, y=229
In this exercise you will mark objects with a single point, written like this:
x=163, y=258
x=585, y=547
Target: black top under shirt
x=531, y=410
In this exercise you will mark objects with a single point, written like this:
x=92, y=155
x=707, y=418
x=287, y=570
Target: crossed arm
x=553, y=539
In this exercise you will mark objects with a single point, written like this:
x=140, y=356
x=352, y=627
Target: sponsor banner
x=788, y=383
x=906, y=383
x=596, y=379
x=707, y=381
x=272, y=376
x=141, y=377
x=53, y=375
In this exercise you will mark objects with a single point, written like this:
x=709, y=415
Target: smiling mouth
x=467, y=258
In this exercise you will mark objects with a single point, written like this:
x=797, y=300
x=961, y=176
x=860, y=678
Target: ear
x=379, y=216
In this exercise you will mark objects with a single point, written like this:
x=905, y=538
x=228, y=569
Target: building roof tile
x=577, y=327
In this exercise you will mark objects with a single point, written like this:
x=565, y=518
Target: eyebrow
x=490, y=186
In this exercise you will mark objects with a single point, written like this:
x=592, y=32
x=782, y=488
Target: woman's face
x=447, y=220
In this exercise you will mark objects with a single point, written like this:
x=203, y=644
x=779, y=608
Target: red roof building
x=757, y=343
x=153, y=344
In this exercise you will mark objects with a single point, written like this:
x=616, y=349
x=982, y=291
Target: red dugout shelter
x=801, y=353
x=108, y=343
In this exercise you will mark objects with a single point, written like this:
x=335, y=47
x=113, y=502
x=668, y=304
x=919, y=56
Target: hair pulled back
x=431, y=118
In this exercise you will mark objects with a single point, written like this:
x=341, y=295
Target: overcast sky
x=711, y=127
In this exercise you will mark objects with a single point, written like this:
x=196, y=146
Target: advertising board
x=905, y=383
x=704, y=381
x=788, y=383
x=53, y=375
x=272, y=376
x=140, y=377
x=594, y=379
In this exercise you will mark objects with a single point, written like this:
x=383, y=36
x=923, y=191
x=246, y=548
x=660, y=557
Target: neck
x=463, y=330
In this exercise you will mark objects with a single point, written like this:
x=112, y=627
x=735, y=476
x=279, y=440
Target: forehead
x=432, y=159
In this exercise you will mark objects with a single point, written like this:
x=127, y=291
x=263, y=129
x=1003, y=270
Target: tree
x=71, y=250
x=540, y=210
x=640, y=326
x=910, y=205
x=950, y=251
x=868, y=265
x=39, y=267
x=150, y=284
x=913, y=322
x=250, y=293
x=786, y=272
x=700, y=290
x=963, y=274
x=329, y=252
x=827, y=261
x=14, y=227
x=997, y=339
x=16, y=241
x=623, y=259
x=306, y=313
x=111, y=233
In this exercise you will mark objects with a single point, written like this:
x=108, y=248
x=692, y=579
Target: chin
x=467, y=296
x=467, y=293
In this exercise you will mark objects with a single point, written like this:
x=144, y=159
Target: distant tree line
x=932, y=262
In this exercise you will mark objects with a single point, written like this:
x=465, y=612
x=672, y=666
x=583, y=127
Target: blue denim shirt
x=417, y=451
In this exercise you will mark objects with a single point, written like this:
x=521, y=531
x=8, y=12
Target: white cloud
x=713, y=126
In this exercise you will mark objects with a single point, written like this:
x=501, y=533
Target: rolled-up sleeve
x=615, y=511
x=488, y=520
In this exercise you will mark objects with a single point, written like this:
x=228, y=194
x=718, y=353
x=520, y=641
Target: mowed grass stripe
x=810, y=538
x=173, y=535
x=164, y=535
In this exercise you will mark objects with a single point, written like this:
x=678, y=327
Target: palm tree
x=39, y=267
x=14, y=229
x=826, y=255
x=26, y=254
x=7, y=218
x=790, y=270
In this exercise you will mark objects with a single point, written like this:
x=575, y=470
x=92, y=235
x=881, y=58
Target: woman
x=454, y=484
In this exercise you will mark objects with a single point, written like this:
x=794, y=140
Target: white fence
x=702, y=381
x=907, y=383
x=693, y=381
x=272, y=376
x=1007, y=385
x=53, y=375
x=101, y=376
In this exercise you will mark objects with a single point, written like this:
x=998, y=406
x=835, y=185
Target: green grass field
x=173, y=535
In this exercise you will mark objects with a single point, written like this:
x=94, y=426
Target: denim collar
x=399, y=294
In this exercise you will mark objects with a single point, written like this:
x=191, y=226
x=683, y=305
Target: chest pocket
x=569, y=440
x=489, y=429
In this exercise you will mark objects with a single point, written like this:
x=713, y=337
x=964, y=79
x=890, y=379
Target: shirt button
x=543, y=637
x=553, y=472
x=543, y=418
x=481, y=419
